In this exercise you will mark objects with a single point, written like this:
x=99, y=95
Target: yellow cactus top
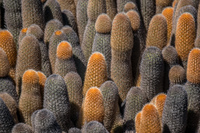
x=93, y=105
x=193, y=66
x=24, y=30
x=58, y=32
x=30, y=76
x=64, y=50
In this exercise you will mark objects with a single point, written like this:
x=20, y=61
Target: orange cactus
x=137, y=121
x=150, y=122
x=185, y=36
x=193, y=66
x=96, y=73
x=168, y=13
x=93, y=105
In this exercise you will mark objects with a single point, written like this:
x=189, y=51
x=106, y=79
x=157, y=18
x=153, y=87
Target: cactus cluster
x=99, y=66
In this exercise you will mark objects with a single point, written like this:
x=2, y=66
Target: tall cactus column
x=121, y=49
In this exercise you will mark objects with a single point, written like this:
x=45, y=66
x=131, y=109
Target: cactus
x=178, y=13
x=122, y=3
x=74, y=87
x=11, y=104
x=135, y=100
x=22, y=34
x=29, y=57
x=121, y=50
x=96, y=73
x=74, y=130
x=197, y=41
x=32, y=13
x=78, y=56
x=4, y=66
x=64, y=59
x=81, y=13
x=110, y=98
x=149, y=121
x=94, y=127
x=170, y=56
x=68, y=5
x=174, y=118
x=94, y=9
x=42, y=80
x=137, y=121
x=57, y=37
x=6, y=120
x=101, y=42
x=13, y=18
x=38, y=33
x=152, y=71
x=185, y=36
x=22, y=128
x=111, y=8
x=177, y=75
x=193, y=73
x=157, y=32
x=168, y=13
x=198, y=22
x=148, y=10
x=8, y=45
x=55, y=91
x=93, y=106
x=45, y=122
x=69, y=19
x=193, y=90
x=8, y=85
x=30, y=98
x=161, y=4
x=135, y=19
x=158, y=101
x=50, y=28
x=51, y=10
x=130, y=6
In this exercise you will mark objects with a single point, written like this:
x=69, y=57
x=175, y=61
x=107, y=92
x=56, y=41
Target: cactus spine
x=94, y=127
x=22, y=128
